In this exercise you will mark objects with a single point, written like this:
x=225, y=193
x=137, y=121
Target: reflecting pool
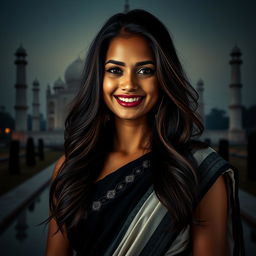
x=25, y=237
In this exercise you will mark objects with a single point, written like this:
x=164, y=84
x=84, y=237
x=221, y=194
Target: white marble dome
x=58, y=83
x=73, y=73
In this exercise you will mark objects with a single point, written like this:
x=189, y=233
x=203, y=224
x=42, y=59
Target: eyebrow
x=120, y=63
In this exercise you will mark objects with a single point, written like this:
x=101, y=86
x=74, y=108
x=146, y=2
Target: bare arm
x=210, y=239
x=58, y=244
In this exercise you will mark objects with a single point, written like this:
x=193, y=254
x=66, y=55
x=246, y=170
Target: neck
x=132, y=136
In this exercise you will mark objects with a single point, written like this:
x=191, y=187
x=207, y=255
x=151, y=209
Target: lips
x=129, y=100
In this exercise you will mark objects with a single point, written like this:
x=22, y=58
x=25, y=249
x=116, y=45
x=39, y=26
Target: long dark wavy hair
x=174, y=122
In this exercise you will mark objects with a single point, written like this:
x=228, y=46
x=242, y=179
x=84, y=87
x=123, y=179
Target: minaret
x=21, y=91
x=200, y=90
x=236, y=132
x=50, y=109
x=48, y=91
x=126, y=6
x=35, y=104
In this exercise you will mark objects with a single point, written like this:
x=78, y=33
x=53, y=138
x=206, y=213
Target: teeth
x=129, y=99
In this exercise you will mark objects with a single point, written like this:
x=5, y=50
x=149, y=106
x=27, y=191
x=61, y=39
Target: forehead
x=126, y=47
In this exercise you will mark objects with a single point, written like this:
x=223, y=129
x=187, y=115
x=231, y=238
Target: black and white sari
x=127, y=218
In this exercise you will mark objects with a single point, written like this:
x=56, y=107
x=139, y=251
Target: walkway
x=12, y=202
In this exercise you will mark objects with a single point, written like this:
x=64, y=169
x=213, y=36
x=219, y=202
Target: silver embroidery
x=120, y=186
x=145, y=164
x=111, y=194
x=129, y=178
x=137, y=171
x=96, y=205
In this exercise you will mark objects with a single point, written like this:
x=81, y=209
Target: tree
x=249, y=118
x=217, y=120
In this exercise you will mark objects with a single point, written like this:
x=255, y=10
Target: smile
x=129, y=101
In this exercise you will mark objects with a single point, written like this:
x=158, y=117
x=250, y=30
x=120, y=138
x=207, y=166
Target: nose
x=129, y=83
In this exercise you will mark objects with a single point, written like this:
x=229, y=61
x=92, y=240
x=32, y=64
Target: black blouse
x=112, y=200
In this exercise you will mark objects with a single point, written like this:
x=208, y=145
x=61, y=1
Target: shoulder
x=217, y=198
x=214, y=201
x=57, y=166
x=213, y=211
x=210, y=167
x=213, y=206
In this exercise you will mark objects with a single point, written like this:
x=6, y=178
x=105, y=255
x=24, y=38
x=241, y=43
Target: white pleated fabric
x=142, y=227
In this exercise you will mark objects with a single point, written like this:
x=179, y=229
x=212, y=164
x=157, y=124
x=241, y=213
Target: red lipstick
x=136, y=100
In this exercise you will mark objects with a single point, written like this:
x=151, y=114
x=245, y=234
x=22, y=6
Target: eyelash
x=117, y=68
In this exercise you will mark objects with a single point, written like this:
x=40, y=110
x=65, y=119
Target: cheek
x=108, y=86
x=108, y=90
x=153, y=89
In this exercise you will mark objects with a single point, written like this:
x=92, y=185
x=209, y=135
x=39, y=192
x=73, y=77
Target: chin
x=129, y=117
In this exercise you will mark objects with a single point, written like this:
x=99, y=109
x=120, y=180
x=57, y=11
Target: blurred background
x=43, y=46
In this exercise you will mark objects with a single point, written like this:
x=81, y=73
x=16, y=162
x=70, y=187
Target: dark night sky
x=54, y=33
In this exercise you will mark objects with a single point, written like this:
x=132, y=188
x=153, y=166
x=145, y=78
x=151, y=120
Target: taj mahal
x=58, y=98
x=62, y=92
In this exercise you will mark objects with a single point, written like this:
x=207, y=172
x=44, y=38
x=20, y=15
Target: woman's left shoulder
x=218, y=187
x=212, y=167
x=213, y=210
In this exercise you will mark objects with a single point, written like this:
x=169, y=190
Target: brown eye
x=115, y=70
x=146, y=71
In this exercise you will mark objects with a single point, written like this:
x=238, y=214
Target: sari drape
x=145, y=231
x=127, y=218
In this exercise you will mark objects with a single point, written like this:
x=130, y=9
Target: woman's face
x=130, y=85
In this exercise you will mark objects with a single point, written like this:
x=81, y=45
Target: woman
x=133, y=180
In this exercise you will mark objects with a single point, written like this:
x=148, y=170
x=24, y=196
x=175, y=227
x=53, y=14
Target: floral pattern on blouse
x=120, y=186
